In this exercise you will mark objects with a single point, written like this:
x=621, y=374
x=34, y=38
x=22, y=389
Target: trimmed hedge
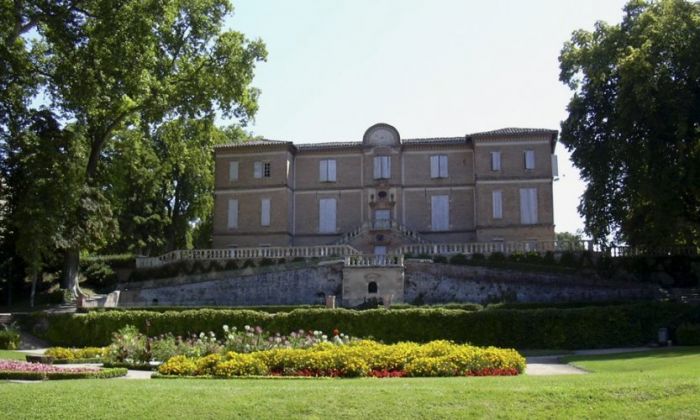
x=42, y=376
x=688, y=334
x=570, y=328
x=9, y=340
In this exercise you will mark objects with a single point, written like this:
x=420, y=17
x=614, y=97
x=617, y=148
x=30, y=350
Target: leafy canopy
x=634, y=123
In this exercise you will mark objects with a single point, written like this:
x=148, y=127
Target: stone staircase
x=395, y=227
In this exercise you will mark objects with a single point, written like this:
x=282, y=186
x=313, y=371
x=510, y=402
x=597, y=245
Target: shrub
x=478, y=258
x=99, y=274
x=266, y=262
x=248, y=263
x=688, y=334
x=231, y=265
x=496, y=257
x=240, y=365
x=179, y=366
x=75, y=354
x=459, y=259
x=568, y=259
x=440, y=259
x=129, y=345
x=9, y=339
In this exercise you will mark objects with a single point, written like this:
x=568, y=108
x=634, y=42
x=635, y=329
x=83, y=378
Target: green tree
x=634, y=123
x=108, y=65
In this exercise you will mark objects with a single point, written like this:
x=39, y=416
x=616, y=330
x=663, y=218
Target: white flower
x=225, y=328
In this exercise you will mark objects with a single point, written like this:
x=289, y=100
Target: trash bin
x=663, y=336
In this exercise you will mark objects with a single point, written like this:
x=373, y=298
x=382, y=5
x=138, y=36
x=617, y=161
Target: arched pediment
x=383, y=135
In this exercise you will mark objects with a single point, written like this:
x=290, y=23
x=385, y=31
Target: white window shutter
x=232, y=213
x=524, y=207
x=233, y=171
x=495, y=161
x=497, y=203
x=529, y=159
x=533, y=205
x=377, y=167
x=327, y=212
x=555, y=166
x=323, y=170
x=440, y=212
x=443, y=166
x=386, y=168
x=257, y=169
x=331, y=170
x=435, y=166
x=265, y=212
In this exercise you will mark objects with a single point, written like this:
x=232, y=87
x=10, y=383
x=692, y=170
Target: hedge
x=9, y=339
x=40, y=376
x=570, y=328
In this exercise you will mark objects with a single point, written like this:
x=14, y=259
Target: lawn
x=660, y=384
x=11, y=355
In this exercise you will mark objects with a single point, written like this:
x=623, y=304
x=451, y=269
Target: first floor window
x=232, y=213
x=382, y=167
x=440, y=212
x=327, y=219
x=265, y=212
x=438, y=166
x=528, y=206
x=497, y=204
x=327, y=170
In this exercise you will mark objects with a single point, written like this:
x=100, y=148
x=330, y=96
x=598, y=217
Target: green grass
x=11, y=355
x=659, y=384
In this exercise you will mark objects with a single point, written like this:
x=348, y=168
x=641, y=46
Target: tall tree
x=108, y=65
x=634, y=123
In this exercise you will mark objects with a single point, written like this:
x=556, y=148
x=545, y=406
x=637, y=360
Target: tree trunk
x=71, y=259
x=32, y=294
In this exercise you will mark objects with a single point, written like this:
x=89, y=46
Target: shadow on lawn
x=653, y=354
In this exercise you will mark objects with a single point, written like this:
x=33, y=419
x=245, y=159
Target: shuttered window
x=382, y=167
x=233, y=171
x=232, y=213
x=265, y=212
x=529, y=159
x=528, y=206
x=438, y=166
x=327, y=170
x=555, y=166
x=495, y=161
x=440, y=212
x=257, y=169
x=497, y=204
x=327, y=212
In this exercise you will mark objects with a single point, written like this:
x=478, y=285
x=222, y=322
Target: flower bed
x=13, y=369
x=356, y=359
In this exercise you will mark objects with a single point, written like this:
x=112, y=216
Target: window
x=529, y=159
x=372, y=287
x=495, y=161
x=261, y=169
x=232, y=213
x=327, y=170
x=440, y=211
x=497, y=204
x=382, y=219
x=438, y=166
x=555, y=166
x=528, y=206
x=380, y=250
x=326, y=212
x=233, y=171
x=382, y=167
x=265, y=212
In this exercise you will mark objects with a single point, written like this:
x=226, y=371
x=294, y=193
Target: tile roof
x=511, y=131
x=328, y=145
x=257, y=142
x=436, y=140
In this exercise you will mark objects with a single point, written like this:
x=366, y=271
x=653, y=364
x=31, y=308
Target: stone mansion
x=384, y=191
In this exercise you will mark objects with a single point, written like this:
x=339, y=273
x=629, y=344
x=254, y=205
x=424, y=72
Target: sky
x=437, y=68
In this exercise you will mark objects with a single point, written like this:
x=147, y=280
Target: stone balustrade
x=320, y=251
x=374, y=261
x=486, y=248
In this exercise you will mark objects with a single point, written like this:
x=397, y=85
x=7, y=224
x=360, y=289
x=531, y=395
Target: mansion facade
x=385, y=191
